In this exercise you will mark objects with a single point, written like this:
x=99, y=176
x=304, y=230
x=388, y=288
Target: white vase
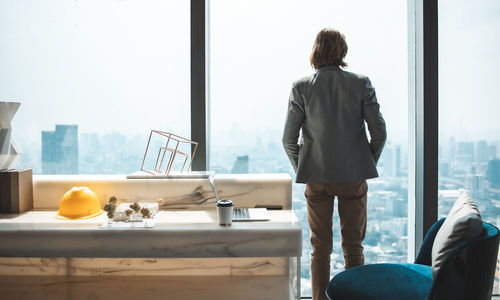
x=10, y=153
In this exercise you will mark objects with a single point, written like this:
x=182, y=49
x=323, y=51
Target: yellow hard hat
x=79, y=203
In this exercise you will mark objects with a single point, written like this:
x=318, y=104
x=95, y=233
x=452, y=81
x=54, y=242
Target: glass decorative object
x=9, y=151
x=170, y=148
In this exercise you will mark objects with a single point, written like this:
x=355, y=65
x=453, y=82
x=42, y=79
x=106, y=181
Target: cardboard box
x=16, y=191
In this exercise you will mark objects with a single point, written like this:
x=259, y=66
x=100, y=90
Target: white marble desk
x=178, y=234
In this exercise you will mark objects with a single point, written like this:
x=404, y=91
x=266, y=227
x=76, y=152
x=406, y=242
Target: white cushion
x=462, y=224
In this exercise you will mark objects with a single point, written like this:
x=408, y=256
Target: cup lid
x=224, y=203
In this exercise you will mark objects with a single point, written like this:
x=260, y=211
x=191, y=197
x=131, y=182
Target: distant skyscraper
x=240, y=165
x=452, y=149
x=493, y=173
x=492, y=150
x=465, y=152
x=60, y=150
x=475, y=184
x=399, y=208
x=391, y=161
x=397, y=161
x=89, y=142
x=482, y=152
x=444, y=169
x=485, y=152
x=388, y=161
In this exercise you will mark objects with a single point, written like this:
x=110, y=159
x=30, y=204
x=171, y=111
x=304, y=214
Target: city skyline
x=466, y=150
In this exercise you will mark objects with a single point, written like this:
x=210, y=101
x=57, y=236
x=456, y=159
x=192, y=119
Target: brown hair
x=329, y=48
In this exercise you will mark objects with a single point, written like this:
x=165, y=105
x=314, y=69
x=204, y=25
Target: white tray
x=145, y=223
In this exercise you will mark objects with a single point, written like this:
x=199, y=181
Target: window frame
x=423, y=104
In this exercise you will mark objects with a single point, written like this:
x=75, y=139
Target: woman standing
x=333, y=156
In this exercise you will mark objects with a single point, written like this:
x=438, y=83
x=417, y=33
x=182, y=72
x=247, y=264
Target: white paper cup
x=225, y=212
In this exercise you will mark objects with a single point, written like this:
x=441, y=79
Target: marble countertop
x=176, y=234
x=246, y=190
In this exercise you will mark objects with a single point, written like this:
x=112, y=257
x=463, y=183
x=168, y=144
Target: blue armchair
x=467, y=273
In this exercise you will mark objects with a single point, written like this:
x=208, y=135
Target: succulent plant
x=110, y=208
x=146, y=213
x=112, y=200
x=136, y=207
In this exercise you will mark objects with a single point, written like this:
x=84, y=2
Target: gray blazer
x=331, y=108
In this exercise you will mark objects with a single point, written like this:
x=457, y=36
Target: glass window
x=93, y=78
x=258, y=48
x=469, y=43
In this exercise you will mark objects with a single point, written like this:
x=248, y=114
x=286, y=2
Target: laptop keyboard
x=241, y=214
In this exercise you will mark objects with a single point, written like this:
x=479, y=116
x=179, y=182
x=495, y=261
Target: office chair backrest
x=468, y=272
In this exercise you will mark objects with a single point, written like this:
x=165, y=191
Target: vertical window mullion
x=199, y=58
x=423, y=120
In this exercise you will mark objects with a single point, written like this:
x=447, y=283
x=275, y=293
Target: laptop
x=250, y=214
x=242, y=214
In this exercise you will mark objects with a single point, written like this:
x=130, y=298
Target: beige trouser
x=352, y=213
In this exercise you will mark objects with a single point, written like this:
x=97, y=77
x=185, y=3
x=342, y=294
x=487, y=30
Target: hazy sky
x=124, y=65
x=258, y=48
x=469, y=64
x=104, y=65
